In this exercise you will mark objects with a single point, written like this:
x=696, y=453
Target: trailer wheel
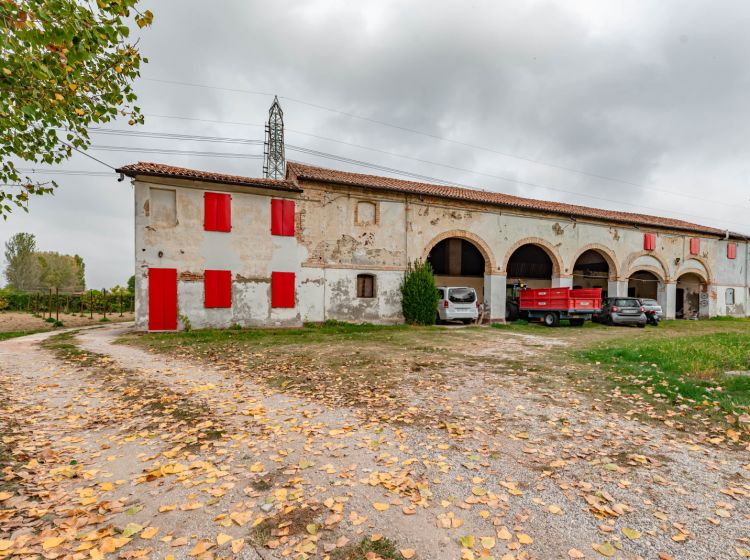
x=511, y=311
x=551, y=319
x=576, y=322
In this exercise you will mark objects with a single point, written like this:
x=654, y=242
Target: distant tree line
x=28, y=269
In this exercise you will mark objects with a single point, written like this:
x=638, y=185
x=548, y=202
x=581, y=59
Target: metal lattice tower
x=274, y=160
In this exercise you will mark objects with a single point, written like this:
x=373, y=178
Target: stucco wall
x=343, y=231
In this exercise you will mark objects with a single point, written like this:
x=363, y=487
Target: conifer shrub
x=419, y=295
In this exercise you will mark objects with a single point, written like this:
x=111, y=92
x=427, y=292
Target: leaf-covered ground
x=355, y=443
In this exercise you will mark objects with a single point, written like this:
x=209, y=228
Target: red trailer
x=552, y=304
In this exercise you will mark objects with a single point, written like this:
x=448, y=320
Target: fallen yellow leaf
x=222, y=539
x=380, y=506
x=52, y=542
x=407, y=553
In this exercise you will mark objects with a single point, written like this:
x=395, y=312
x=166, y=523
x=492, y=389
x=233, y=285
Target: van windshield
x=627, y=303
x=462, y=295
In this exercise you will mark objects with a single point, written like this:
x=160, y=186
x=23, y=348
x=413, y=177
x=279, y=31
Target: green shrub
x=419, y=295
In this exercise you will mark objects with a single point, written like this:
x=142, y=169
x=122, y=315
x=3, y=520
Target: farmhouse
x=222, y=250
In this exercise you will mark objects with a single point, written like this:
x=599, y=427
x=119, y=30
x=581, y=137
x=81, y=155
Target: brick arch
x=605, y=252
x=705, y=273
x=663, y=274
x=474, y=239
x=697, y=271
x=543, y=244
x=647, y=268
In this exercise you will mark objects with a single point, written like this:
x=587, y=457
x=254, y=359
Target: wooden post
x=91, y=304
x=49, y=307
x=57, y=304
x=120, y=304
x=104, y=303
x=81, y=311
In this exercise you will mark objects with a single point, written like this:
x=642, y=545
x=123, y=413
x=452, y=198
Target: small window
x=217, y=212
x=282, y=217
x=366, y=214
x=282, y=290
x=730, y=296
x=695, y=246
x=162, y=208
x=217, y=288
x=365, y=286
x=732, y=251
x=649, y=241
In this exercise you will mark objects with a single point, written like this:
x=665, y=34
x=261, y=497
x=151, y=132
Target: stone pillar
x=494, y=297
x=617, y=288
x=667, y=297
x=562, y=281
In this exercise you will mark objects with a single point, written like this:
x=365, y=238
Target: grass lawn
x=13, y=334
x=684, y=362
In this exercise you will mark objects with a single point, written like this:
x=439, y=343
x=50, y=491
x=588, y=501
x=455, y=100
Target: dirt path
x=105, y=453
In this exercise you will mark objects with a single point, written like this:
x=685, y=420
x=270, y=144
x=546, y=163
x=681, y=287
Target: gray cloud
x=654, y=94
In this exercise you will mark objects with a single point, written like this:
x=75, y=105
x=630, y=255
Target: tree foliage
x=59, y=271
x=21, y=263
x=419, y=296
x=64, y=65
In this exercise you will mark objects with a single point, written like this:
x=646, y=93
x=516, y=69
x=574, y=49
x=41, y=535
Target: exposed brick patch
x=191, y=276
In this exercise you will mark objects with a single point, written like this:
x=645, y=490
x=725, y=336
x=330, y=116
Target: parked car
x=621, y=311
x=458, y=304
x=652, y=309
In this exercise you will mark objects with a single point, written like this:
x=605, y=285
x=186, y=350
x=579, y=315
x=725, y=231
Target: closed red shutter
x=209, y=211
x=217, y=288
x=277, y=217
x=732, y=251
x=282, y=289
x=695, y=246
x=649, y=241
x=289, y=217
x=217, y=212
x=162, y=299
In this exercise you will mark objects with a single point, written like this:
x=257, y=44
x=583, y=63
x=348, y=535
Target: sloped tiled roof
x=297, y=171
x=161, y=170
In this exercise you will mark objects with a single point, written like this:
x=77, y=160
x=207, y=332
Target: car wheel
x=551, y=319
x=641, y=325
x=576, y=322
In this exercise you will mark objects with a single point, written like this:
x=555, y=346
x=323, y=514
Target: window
x=282, y=289
x=162, y=209
x=695, y=246
x=365, y=286
x=462, y=295
x=732, y=251
x=217, y=212
x=649, y=241
x=282, y=217
x=217, y=288
x=366, y=213
x=730, y=296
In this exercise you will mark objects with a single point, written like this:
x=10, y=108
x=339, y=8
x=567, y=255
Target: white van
x=458, y=304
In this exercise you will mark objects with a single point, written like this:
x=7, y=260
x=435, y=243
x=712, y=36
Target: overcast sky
x=634, y=105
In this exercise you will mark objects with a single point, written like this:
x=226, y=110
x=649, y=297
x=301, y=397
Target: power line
x=406, y=129
x=381, y=168
x=66, y=172
x=88, y=155
x=386, y=152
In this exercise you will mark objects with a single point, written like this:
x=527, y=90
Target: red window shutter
x=217, y=212
x=162, y=299
x=218, y=288
x=282, y=289
x=277, y=217
x=732, y=251
x=209, y=211
x=695, y=246
x=288, y=218
x=649, y=241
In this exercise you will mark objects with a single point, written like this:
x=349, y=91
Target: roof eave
x=141, y=173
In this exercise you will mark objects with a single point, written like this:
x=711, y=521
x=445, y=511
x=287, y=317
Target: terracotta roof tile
x=303, y=171
x=161, y=170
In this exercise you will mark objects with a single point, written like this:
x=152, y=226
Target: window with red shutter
x=732, y=251
x=649, y=241
x=695, y=246
x=282, y=289
x=217, y=288
x=282, y=217
x=217, y=212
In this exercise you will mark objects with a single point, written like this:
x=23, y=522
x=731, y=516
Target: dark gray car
x=622, y=311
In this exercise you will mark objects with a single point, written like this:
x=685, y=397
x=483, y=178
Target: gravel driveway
x=133, y=454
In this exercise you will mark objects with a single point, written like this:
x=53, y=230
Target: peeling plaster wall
x=334, y=243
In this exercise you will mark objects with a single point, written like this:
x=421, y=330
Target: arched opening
x=591, y=270
x=458, y=262
x=530, y=265
x=644, y=284
x=691, y=297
